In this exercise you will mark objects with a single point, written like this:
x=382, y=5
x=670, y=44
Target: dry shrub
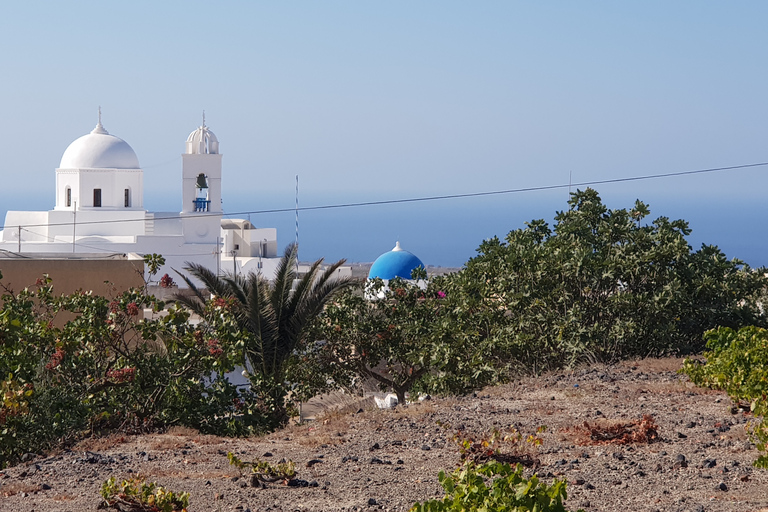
x=182, y=431
x=162, y=443
x=18, y=487
x=100, y=444
x=643, y=431
x=416, y=409
x=312, y=441
x=654, y=364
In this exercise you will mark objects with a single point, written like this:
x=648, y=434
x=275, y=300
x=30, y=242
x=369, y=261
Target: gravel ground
x=373, y=459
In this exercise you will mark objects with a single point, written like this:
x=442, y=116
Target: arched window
x=202, y=204
x=68, y=197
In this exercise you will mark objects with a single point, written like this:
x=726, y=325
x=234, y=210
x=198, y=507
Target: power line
x=424, y=198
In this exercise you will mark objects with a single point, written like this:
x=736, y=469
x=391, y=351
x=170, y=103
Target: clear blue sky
x=378, y=100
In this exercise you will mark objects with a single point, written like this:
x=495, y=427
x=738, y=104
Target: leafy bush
x=737, y=363
x=406, y=338
x=263, y=470
x=81, y=364
x=271, y=320
x=467, y=491
x=517, y=448
x=136, y=494
x=600, y=285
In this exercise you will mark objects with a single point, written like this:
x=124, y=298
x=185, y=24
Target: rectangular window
x=127, y=198
x=69, y=196
x=97, y=197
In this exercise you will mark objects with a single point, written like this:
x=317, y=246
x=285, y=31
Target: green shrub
x=136, y=494
x=600, y=284
x=81, y=364
x=264, y=471
x=737, y=363
x=507, y=489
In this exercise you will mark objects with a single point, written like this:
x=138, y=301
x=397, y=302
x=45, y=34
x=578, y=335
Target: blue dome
x=395, y=263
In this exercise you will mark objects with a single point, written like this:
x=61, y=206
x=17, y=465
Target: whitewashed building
x=99, y=208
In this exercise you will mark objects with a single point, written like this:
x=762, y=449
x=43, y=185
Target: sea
x=447, y=232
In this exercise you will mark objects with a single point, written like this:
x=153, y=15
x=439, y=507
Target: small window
x=237, y=247
x=97, y=197
x=127, y=198
x=69, y=197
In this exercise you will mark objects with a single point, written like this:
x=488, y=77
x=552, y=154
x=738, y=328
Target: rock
x=313, y=462
x=722, y=487
x=255, y=482
x=28, y=457
x=680, y=435
x=426, y=447
x=709, y=463
x=374, y=447
x=372, y=502
x=267, y=454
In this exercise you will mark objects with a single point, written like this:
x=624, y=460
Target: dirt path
x=387, y=460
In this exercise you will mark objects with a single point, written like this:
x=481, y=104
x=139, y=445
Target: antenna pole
x=218, y=257
x=297, y=225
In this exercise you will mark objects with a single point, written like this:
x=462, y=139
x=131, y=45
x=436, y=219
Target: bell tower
x=201, y=186
x=201, y=173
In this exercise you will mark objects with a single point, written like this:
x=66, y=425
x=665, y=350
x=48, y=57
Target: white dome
x=99, y=150
x=202, y=141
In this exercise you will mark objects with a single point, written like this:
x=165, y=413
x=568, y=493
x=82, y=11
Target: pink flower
x=132, y=308
x=124, y=375
x=56, y=359
x=166, y=281
x=213, y=348
x=441, y=294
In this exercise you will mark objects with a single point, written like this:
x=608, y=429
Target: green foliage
x=600, y=285
x=737, y=363
x=153, y=262
x=399, y=335
x=80, y=364
x=266, y=472
x=497, y=445
x=137, y=494
x=507, y=489
x=271, y=322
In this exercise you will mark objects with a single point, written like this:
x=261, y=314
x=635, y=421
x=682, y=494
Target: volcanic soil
x=693, y=455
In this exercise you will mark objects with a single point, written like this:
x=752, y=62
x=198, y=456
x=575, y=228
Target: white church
x=99, y=209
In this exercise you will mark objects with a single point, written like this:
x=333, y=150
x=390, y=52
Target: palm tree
x=275, y=315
